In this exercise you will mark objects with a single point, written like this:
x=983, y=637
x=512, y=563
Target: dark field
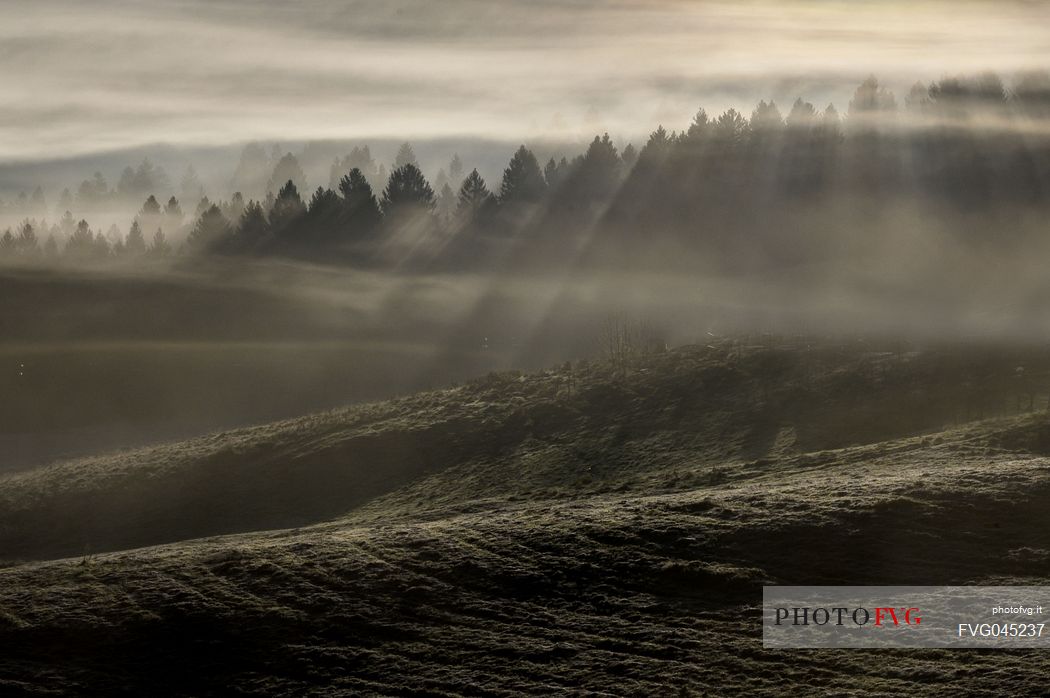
x=62, y=400
x=101, y=359
x=97, y=361
x=603, y=529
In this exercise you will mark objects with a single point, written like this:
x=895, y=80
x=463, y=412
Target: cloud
x=84, y=77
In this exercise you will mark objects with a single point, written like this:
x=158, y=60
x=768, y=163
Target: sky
x=88, y=77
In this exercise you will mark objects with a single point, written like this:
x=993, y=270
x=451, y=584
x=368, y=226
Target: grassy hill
x=595, y=529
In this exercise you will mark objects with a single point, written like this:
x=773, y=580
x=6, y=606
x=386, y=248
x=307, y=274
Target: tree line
x=968, y=144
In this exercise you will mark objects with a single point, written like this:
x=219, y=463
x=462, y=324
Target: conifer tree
x=473, y=197
x=159, y=248
x=253, y=229
x=135, y=243
x=288, y=208
x=405, y=156
x=523, y=181
x=361, y=210
x=407, y=189
x=210, y=231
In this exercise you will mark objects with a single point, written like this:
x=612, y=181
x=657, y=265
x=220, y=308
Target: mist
x=161, y=302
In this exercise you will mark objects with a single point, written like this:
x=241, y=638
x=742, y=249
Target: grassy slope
x=509, y=536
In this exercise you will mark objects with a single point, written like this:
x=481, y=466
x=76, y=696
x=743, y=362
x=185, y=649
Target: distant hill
x=658, y=423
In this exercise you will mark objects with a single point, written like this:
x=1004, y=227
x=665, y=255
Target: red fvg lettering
x=880, y=614
x=906, y=615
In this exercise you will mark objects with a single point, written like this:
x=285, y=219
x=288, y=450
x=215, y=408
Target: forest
x=970, y=155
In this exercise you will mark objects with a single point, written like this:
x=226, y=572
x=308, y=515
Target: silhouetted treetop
x=159, y=248
x=629, y=156
x=599, y=171
x=406, y=189
x=473, y=195
x=26, y=243
x=355, y=189
x=766, y=117
x=658, y=141
x=209, y=230
x=555, y=173
x=288, y=207
x=253, y=229
x=362, y=214
x=523, y=181
x=203, y=205
x=699, y=127
x=81, y=243
x=173, y=209
x=731, y=127
x=151, y=207
x=135, y=243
